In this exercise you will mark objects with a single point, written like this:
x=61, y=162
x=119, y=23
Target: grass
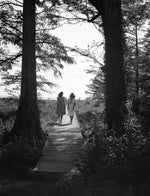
x=20, y=154
x=14, y=180
x=56, y=185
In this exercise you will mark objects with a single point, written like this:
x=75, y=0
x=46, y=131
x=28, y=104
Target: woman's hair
x=60, y=94
x=72, y=95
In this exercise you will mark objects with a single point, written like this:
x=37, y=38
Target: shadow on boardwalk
x=48, y=178
x=61, y=148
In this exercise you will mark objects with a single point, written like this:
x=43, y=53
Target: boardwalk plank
x=61, y=148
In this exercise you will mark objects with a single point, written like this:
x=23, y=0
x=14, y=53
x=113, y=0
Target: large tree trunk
x=110, y=11
x=137, y=61
x=114, y=73
x=27, y=122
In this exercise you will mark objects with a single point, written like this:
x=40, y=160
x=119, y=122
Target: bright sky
x=74, y=78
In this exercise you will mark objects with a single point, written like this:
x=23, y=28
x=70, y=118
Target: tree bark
x=137, y=61
x=27, y=122
x=115, y=92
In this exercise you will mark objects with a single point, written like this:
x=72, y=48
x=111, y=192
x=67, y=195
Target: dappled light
x=77, y=119
x=61, y=148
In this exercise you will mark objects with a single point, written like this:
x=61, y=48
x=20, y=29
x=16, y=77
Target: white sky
x=74, y=78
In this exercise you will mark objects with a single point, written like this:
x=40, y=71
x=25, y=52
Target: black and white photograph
x=75, y=97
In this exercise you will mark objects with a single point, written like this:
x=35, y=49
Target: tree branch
x=10, y=3
x=11, y=59
x=94, y=17
x=8, y=32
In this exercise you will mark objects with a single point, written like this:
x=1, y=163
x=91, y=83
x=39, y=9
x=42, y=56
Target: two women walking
x=61, y=107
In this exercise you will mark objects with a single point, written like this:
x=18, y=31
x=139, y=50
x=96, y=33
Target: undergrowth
x=21, y=156
x=105, y=156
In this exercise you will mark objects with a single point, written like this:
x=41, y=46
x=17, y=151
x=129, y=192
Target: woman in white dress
x=71, y=106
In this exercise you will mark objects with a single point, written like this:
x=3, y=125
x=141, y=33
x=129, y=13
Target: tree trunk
x=114, y=72
x=137, y=62
x=115, y=93
x=27, y=122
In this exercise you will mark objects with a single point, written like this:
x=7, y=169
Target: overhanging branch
x=94, y=18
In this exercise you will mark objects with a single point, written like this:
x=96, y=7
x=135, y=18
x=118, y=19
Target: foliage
x=21, y=154
x=88, y=104
x=145, y=60
x=50, y=52
x=141, y=107
x=104, y=154
x=135, y=15
x=88, y=122
x=94, y=55
x=8, y=107
x=48, y=114
x=141, y=104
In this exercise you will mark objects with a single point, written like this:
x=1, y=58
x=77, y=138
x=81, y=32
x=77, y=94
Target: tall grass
x=21, y=155
x=73, y=183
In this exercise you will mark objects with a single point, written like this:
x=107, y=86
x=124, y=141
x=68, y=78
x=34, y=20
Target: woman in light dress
x=71, y=106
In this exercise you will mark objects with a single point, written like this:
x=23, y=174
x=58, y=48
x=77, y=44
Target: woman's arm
x=74, y=104
x=68, y=104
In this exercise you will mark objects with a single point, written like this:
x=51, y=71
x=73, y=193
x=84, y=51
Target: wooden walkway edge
x=61, y=148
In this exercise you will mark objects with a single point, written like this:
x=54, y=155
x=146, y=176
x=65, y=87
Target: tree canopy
x=50, y=52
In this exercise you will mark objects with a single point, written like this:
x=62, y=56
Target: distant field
x=47, y=108
x=88, y=105
x=8, y=108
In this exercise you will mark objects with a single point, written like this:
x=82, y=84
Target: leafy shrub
x=22, y=155
x=83, y=106
x=141, y=107
x=88, y=122
x=8, y=108
x=6, y=124
x=47, y=114
x=8, y=104
x=126, y=157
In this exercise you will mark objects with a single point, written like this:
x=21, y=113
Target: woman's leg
x=61, y=117
x=58, y=118
x=71, y=119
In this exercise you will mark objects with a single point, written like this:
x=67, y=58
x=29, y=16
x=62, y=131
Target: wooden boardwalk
x=61, y=148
